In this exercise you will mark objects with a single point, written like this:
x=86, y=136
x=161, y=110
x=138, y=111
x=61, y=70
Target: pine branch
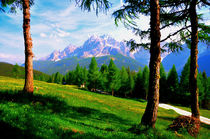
x=173, y=34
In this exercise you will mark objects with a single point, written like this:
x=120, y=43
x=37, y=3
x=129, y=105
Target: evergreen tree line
x=126, y=83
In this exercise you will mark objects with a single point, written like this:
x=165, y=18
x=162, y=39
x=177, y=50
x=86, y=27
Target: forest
x=126, y=83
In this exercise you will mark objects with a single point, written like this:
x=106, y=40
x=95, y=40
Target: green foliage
x=130, y=83
x=103, y=78
x=113, y=77
x=93, y=75
x=163, y=85
x=124, y=82
x=84, y=78
x=98, y=6
x=58, y=78
x=145, y=77
x=12, y=5
x=139, y=85
x=16, y=71
x=184, y=78
x=172, y=83
x=201, y=87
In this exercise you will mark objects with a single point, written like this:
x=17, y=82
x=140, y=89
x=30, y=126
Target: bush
x=186, y=123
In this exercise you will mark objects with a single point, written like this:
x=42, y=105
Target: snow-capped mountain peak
x=94, y=46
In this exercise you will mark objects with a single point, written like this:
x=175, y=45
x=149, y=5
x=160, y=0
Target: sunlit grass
x=64, y=111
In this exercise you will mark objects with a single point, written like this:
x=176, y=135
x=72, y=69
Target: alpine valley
x=105, y=48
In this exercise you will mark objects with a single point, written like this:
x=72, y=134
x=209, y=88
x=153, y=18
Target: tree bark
x=150, y=114
x=112, y=92
x=28, y=87
x=193, y=60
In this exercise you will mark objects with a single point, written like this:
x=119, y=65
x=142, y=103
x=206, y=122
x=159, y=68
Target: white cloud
x=43, y=35
x=11, y=40
x=12, y=58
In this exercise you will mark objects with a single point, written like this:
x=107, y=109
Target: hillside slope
x=65, y=65
x=6, y=70
x=58, y=111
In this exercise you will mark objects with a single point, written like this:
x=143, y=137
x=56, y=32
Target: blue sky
x=55, y=25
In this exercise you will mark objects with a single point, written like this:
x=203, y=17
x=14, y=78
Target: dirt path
x=183, y=112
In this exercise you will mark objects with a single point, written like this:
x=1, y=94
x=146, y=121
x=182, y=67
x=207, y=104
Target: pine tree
x=145, y=77
x=93, y=75
x=139, y=85
x=84, y=78
x=58, y=78
x=78, y=75
x=70, y=77
x=184, y=79
x=16, y=70
x=201, y=88
x=184, y=89
x=206, y=90
x=163, y=84
x=103, y=78
x=52, y=78
x=130, y=83
x=113, y=77
x=172, y=83
x=124, y=82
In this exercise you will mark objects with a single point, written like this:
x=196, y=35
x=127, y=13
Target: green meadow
x=62, y=111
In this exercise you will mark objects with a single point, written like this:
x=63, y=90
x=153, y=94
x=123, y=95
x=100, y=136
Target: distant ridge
x=65, y=65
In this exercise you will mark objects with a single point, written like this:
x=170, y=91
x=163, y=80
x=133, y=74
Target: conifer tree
x=184, y=79
x=58, y=78
x=93, y=75
x=103, y=78
x=113, y=77
x=124, y=81
x=16, y=70
x=172, y=83
x=84, y=76
x=139, y=85
x=78, y=75
x=145, y=77
x=206, y=90
x=163, y=84
x=201, y=88
x=130, y=83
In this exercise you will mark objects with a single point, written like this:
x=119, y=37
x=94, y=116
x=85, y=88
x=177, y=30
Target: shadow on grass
x=48, y=105
x=9, y=132
x=205, y=126
x=166, y=118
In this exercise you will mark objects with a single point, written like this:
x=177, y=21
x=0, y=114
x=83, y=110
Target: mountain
x=100, y=46
x=65, y=65
x=6, y=69
x=204, y=62
x=179, y=59
x=96, y=46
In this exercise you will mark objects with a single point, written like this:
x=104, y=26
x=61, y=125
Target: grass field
x=58, y=111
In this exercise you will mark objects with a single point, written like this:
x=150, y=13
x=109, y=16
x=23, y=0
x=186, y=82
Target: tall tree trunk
x=28, y=87
x=193, y=60
x=150, y=114
x=112, y=92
